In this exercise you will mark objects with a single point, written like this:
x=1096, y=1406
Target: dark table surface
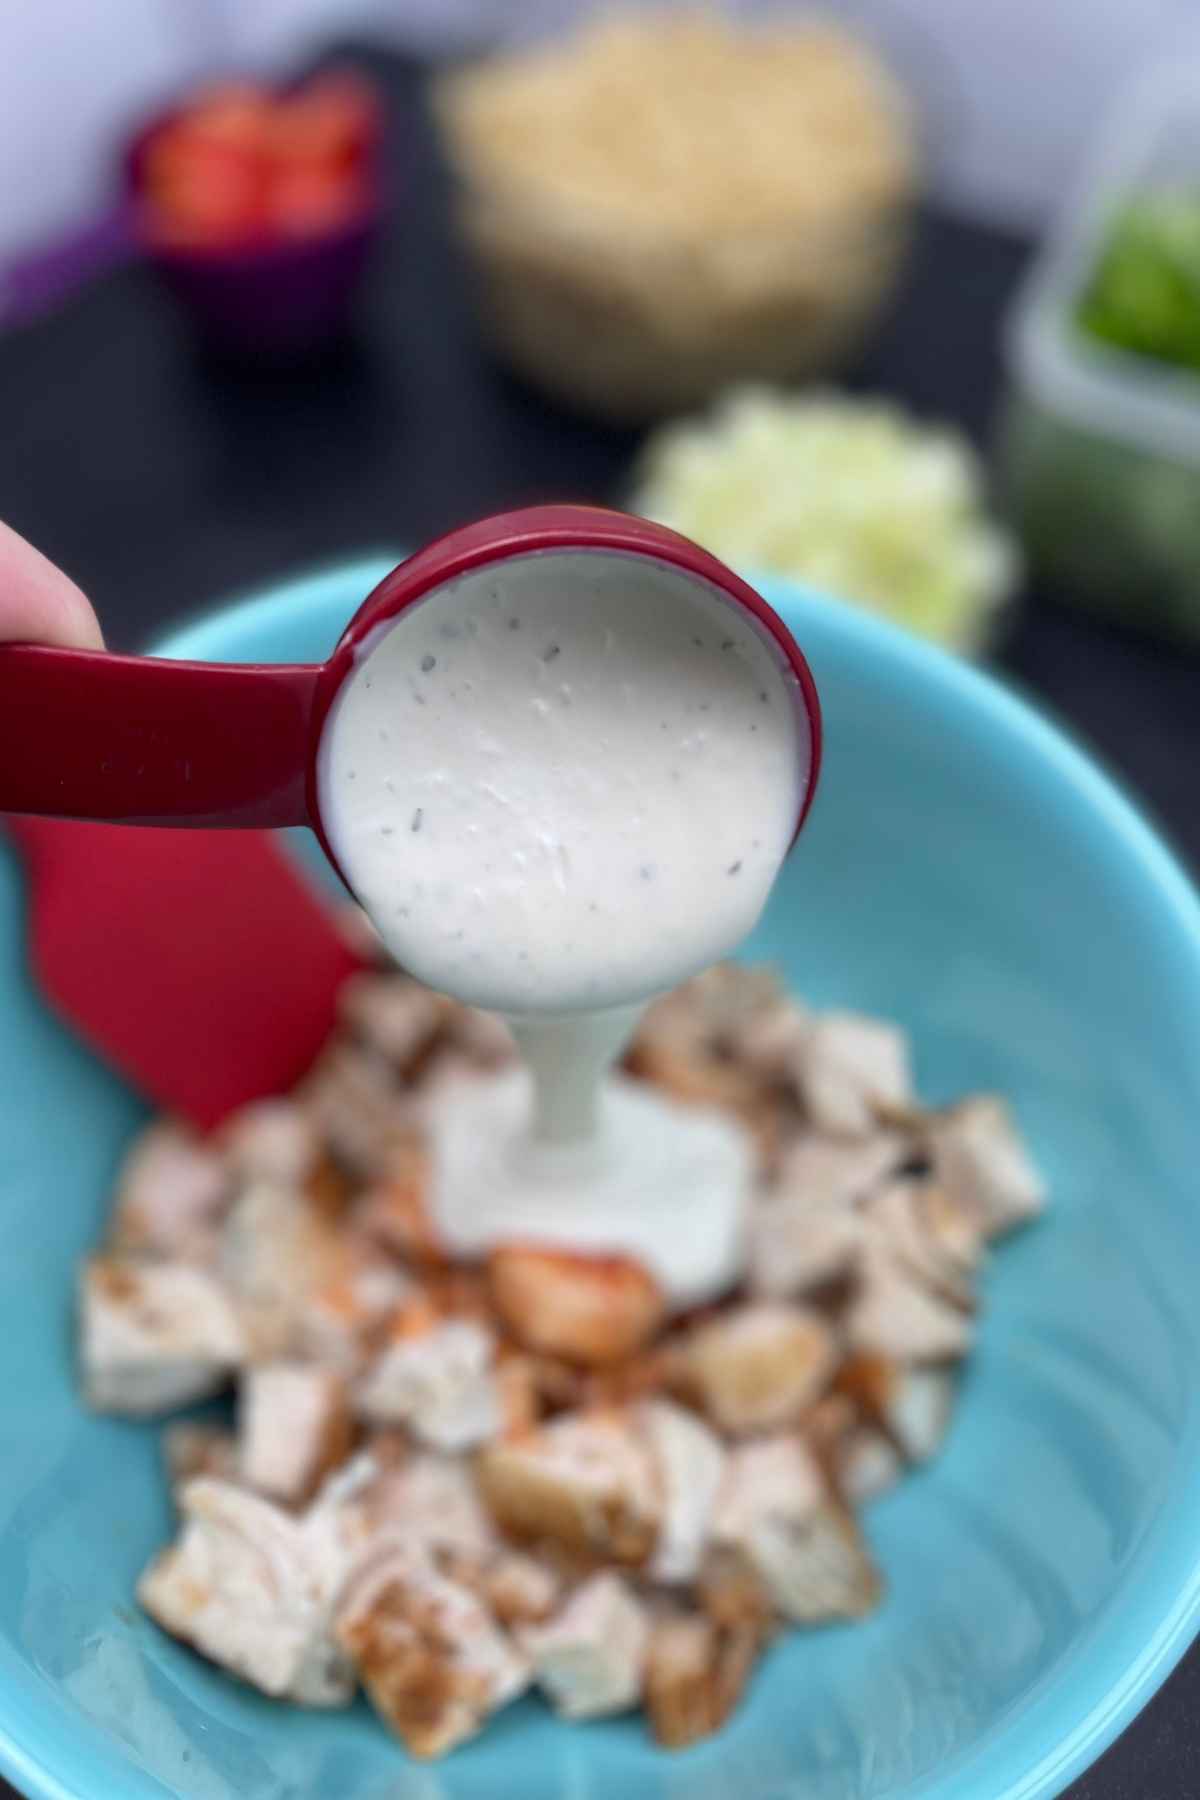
x=161, y=480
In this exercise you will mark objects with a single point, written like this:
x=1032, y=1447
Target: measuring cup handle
x=146, y=741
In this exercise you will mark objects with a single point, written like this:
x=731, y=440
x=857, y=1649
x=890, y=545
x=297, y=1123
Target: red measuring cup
x=149, y=741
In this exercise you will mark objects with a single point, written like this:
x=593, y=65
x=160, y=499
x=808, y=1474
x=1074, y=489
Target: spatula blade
x=200, y=964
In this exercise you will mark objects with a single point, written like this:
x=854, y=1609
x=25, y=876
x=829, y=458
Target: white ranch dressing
x=561, y=784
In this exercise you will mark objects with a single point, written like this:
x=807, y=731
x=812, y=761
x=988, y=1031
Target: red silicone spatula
x=153, y=944
x=200, y=964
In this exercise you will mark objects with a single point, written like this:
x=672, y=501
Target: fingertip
x=38, y=603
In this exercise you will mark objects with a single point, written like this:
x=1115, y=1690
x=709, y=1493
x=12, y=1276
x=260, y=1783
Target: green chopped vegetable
x=850, y=496
x=1144, y=293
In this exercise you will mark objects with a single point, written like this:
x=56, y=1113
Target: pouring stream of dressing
x=561, y=784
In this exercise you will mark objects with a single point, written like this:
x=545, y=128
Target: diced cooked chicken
x=695, y=1675
x=776, y=1511
x=396, y=1018
x=458, y=1291
x=426, y=1499
x=730, y=1592
x=395, y=1208
x=689, y=1462
x=482, y=1037
x=431, y=1502
x=589, y=1659
x=819, y=1570
x=520, y=1402
x=253, y=1587
x=519, y=1589
x=795, y=1249
x=438, y=1379
x=938, y=1242
x=687, y=1046
x=276, y=1249
x=766, y=1478
x=191, y=1449
x=588, y=1309
x=760, y=1365
x=695, y=1078
x=837, y=1172
x=851, y=1071
x=431, y=1657
x=896, y=1315
x=532, y=1387
x=294, y=1426
x=154, y=1335
x=913, y=1406
x=769, y=1040
x=552, y=1477
x=952, y=1225
x=584, y=1481
x=347, y=1309
x=654, y=1371
x=356, y=1103
x=171, y=1193
x=828, y=1423
x=713, y=1009
x=271, y=1140
x=980, y=1160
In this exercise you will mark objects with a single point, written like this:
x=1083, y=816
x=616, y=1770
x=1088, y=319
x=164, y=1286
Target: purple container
x=279, y=299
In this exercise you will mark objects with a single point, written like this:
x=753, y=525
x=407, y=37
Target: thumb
x=38, y=603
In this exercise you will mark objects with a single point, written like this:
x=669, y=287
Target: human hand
x=38, y=603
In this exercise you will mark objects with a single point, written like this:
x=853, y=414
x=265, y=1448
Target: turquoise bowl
x=968, y=871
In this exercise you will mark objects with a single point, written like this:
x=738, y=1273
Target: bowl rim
x=1027, y=1757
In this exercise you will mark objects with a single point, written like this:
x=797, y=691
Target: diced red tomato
x=202, y=188
x=240, y=166
x=304, y=202
x=330, y=121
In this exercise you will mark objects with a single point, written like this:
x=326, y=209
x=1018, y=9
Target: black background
x=162, y=479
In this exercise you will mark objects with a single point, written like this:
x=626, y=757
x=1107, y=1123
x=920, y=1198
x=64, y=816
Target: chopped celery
x=850, y=496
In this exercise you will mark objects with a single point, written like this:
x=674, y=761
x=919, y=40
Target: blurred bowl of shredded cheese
x=668, y=202
x=852, y=497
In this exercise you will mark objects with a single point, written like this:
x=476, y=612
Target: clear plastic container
x=1100, y=447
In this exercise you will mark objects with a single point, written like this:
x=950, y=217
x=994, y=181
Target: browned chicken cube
x=894, y=1314
x=689, y=1463
x=937, y=1240
x=589, y=1659
x=294, y=1426
x=588, y=1309
x=394, y=1017
x=253, y=1588
x=777, y=1512
x=350, y=1306
x=394, y=1210
x=431, y=1657
x=852, y=1071
x=695, y=1675
x=358, y=1106
x=172, y=1191
x=154, y=1335
x=979, y=1158
x=583, y=1481
x=761, y=1365
x=270, y=1140
x=436, y=1377
x=911, y=1404
x=276, y=1250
